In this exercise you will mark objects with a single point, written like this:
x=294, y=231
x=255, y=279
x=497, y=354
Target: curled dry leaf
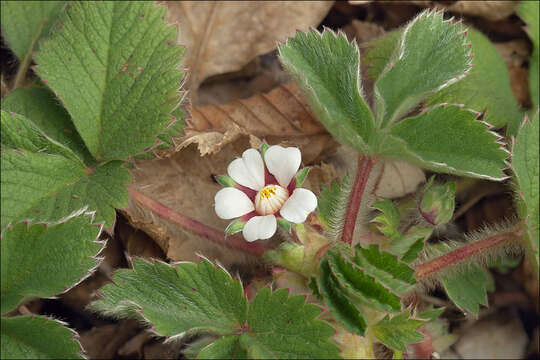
x=490, y=10
x=398, y=178
x=222, y=37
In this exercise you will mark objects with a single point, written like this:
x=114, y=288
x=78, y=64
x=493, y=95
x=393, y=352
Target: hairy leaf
x=37, y=337
x=226, y=347
x=18, y=132
x=45, y=188
x=342, y=308
x=528, y=11
x=449, y=139
x=25, y=22
x=487, y=86
x=114, y=66
x=398, y=331
x=332, y=204
x=283, y=327
x=42, y=108
x=43, y=260
x=326, y=66
x=430, y=55
x=380, y=52
x=468, y=288
x=525, y=163
x=190, y=297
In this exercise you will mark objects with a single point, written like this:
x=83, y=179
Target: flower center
x=270, y=199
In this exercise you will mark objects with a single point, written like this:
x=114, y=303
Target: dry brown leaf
x=223, y=36
x=490, y=10
x=399, y=178
x=103, y=342
x=275, y=116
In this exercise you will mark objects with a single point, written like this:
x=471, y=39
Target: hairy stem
x=365, y=165
x=196, y=227
x=466, y=252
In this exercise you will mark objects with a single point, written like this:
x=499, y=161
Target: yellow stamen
x=267, y=192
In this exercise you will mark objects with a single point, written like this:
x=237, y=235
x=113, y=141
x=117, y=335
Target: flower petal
x=260, y=228
x=299, y=205
x=283, y=163
x=231, y=202
x=249, y=170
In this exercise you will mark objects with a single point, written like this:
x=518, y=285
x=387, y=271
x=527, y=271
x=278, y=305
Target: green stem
x=466, y=252
x=196, y=227
x=365, y=165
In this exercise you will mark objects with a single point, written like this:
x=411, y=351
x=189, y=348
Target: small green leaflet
x=114, y=65
x=40, y=105
x=25, y=22
x=525, y=164
x=332, y=204
x=327, y=68
x=528, y=11
x=388, y=219
x=397, y=331
x=449, y=139
x=468, y=288
x=43, y=260
x=204, y=298
x=430, y=54
x=37, y=337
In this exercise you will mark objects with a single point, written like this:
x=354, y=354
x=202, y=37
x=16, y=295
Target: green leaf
x=283, y=327
x=332, y=204
x=388, y=219
x=398, y=331
x=327, y=68
x=42, y=108
x=380, y=51
x=528, y=11
x=189, y=298
x=449, y=139
x=226, y=347
x=525, y=164
x=342, y=308
x=431, y=54
x=468, y=288
x=45, y=188
x=409, y=245
x=430, y=313
x=114, y=67
x=37, y=337
x=25, y=22
x=487, y=86
x=44, y=260
x=17, y=132
x=284, y=224
x=235, y=226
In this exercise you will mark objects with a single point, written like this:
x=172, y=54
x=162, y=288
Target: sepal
x=235, y=226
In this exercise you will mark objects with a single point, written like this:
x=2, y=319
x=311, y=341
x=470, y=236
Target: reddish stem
x=466, y=252
x=195, y=226
x=365, y=165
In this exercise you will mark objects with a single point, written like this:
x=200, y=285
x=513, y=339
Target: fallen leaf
x=103, y=342
x=222, y=37
x=490, y=10
x=399, y=178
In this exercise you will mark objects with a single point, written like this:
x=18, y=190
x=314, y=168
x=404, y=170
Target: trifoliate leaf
x=189, y=298
x=525, y=164
x=528, y=11
x=114, y=67
x=487, y=86
x=41, y=107
x=43, y=260
x=25, y=22
x=341, y=306
x=37, y=337
x=431, y=54
x=449, y=139
x=468, y=288
x=397, y=331
x=226, y=347
x=45, y=188
x=18, y=132
x=332, y=204
x=326, y=66
x=283, y=327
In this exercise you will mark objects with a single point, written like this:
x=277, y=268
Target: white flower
x=261, y=194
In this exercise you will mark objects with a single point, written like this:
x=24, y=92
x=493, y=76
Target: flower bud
x=438, y=202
